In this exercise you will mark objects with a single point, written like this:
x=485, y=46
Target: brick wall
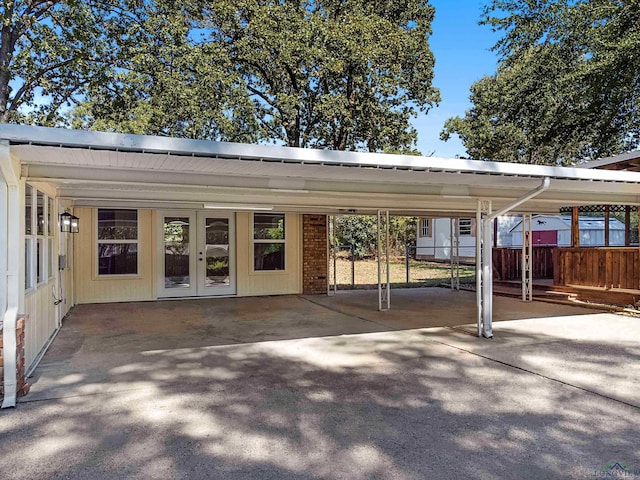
x=22, y=385
x=314, y=254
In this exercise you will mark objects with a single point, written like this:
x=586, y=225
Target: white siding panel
x=42, y=320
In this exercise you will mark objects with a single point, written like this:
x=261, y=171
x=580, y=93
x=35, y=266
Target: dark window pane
x=39, y=258
x=117, y=224
x=40, y=213
x=49, y=217
x=117, y=258
x=28, y=203
x=268, y=226
x=464, y=226
x=268, y=256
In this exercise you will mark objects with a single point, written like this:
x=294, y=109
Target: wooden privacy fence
x=507, y=263
x=605, y=267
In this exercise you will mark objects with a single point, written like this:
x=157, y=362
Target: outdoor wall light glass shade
x=69, y=223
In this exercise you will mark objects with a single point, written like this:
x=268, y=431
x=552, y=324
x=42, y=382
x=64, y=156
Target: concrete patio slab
x=323, y=394
x=435, y=307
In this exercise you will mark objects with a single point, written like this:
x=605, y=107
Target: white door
x=197, y=254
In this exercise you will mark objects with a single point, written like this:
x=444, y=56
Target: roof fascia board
x=179, y=146
x=64, y=174
x=601, y=162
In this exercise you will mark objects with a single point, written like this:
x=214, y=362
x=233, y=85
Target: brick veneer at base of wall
x=22, y=385
x=314, y=254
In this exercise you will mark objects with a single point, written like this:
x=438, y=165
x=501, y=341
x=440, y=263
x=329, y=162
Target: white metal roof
x=94, y=167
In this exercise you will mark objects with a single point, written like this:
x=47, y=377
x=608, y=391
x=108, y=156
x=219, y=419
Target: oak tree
x=566, y=88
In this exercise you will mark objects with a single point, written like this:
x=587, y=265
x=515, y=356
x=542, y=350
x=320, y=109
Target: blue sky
x=462, y=51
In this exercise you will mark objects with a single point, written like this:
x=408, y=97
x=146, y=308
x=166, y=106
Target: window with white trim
x=52, y=256
x=39, y=251
x=117, y=235
x=268, y=241
x=465, y=227
x=425, y=227
x=41, y=228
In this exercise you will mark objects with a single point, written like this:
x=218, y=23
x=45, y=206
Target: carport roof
x=94, y=168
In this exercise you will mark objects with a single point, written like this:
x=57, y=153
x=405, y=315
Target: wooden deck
x=604, y=275
x=545, y=289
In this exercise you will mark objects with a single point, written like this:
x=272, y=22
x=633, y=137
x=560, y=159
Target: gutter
x=10, y=239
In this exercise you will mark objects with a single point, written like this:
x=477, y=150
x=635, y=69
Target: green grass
x=422, y=273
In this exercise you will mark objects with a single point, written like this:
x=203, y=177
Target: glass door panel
x=196, y=254
x=217, y=251
x=177, y=245
x=176, y=252
x=216, y=269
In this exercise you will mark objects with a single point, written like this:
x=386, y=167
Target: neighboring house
x=434, y=239
x=167, y=218
x=434, y=234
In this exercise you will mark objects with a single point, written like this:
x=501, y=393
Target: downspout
x=11, y=241
x=487, y=281
x=525, y=198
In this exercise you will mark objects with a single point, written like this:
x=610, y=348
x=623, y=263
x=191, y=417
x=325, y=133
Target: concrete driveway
x=293, y=388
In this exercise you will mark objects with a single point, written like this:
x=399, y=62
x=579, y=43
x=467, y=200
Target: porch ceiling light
x=288, y=190
x=69, y=223
x=236, y=206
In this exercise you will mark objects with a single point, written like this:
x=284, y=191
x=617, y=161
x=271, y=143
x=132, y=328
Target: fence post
x=352, y=252
x=407, y=262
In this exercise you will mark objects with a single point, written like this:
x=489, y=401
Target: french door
x=196, y=254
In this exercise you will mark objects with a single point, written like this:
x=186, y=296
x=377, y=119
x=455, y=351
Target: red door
x=545, y=237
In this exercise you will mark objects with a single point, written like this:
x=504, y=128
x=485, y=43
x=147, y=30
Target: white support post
x=487, y=272
x=479, y=282
x=451, y=252
x=484, y=256
x=527, y=258
x=331, y=256
x=11, y=231
x=386, y=254
x=384, y=299
x=456, y=253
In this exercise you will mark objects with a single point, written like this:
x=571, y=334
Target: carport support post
x=454, y=253
x=487, y=272
x=479, y=267
x=527, y=258
x=331, y=255
x=486, y=305
x=384, y=296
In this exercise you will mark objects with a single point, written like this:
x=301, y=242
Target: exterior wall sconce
x=69, y=223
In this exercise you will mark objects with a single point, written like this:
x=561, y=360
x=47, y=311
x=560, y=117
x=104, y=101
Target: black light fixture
x=69, y=223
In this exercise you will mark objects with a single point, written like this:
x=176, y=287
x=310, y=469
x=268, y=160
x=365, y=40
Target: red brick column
x=22, y=385
x=314, y=254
